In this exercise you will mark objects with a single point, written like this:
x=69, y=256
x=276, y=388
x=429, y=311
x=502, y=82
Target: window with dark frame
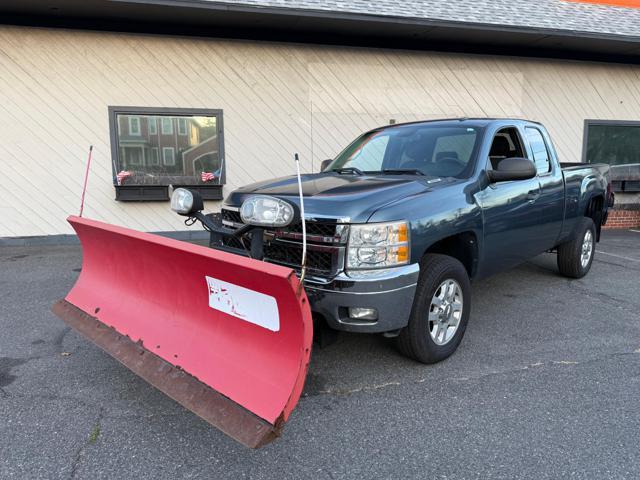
x=617, y=143
x=612, y=142
x=153, y=148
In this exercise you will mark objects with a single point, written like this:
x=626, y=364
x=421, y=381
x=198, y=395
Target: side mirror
x=325, y=163
x=515, y=168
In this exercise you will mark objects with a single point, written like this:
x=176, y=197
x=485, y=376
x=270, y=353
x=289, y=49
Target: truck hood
x=353, y=198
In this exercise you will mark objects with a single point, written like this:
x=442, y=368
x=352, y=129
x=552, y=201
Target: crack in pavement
x=91, y=439
x=532, y=366
x=621, y=303
x=625, y=267
x=59, y=338
x=42, y=396
x=355, y=390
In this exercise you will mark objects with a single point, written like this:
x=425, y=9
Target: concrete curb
x=71, y=239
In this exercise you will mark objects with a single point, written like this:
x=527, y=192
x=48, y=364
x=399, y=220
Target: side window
x=506, y=144
x=539, y=150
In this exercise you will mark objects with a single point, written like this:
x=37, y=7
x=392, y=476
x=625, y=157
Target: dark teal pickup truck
x=401, y=221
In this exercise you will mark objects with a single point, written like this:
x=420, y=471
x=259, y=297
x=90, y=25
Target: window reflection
x=168, y=149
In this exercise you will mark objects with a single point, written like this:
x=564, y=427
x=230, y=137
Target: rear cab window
x=539, y=150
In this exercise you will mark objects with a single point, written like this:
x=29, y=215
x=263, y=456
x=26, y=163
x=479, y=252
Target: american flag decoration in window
x=208, y=176
x=211, y=176
x=122, y=175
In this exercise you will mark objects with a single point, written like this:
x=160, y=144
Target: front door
x=509, y=211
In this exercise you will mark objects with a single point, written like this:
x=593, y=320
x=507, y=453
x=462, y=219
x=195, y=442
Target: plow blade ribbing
x=227, y=337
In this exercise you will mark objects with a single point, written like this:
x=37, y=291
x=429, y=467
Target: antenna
x=86, y=177
x=303, y=263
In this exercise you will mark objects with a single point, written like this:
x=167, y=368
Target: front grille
x=231, y=216
x=323, y=229
x=291, y=254
x=324, y=250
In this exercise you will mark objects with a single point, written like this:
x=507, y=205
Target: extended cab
x=400, y=222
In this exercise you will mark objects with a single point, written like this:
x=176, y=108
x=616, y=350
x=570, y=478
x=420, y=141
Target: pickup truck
x=400, y=222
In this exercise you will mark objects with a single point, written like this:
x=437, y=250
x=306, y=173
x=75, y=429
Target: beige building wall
x=56, y=85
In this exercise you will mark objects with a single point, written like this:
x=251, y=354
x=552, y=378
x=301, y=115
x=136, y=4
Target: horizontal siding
x=56, y=85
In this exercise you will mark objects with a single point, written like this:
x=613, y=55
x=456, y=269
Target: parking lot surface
x=545, y=385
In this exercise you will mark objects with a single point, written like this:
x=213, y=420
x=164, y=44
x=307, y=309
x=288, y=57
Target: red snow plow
x=228, y=337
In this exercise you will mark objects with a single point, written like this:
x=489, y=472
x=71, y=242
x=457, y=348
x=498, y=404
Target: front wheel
x=440, y=310
x=576, y=256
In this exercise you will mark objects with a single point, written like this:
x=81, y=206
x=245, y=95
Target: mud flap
x=226, y=336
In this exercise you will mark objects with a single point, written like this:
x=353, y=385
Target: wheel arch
x=462, y=246
x=594, y=209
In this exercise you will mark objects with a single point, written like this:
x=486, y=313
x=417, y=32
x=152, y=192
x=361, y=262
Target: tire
x=576, y=256
x=416, y=339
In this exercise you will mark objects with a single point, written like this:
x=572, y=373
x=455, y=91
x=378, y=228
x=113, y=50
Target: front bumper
x=389, y=291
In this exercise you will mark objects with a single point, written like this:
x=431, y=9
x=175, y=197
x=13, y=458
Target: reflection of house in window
x=134, y=125
x=165, y=149
x=169, y=156
x=167, y=125
x=153, y=125
x=202, y=157
x=194, y=133
x=182, y=126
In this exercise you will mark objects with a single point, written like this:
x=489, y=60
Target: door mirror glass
x=515, y=168
x=325, y=163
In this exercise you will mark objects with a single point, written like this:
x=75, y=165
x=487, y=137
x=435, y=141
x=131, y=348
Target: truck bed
x=580, y=180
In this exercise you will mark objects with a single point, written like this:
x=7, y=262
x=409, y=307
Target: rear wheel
x=576, y=256
x=440, y=310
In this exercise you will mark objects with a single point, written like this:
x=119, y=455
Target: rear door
x=549, y=206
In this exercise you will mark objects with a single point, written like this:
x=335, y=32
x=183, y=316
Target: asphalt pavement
x=545, y=385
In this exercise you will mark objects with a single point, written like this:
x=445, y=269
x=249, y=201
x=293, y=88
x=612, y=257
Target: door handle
x=533, y=195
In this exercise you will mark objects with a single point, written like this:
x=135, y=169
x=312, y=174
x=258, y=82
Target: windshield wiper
x=355, y=170
x=403, y=171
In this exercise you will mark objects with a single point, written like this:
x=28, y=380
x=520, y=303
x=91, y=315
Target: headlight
x=265, y=211
x=185, y=202
x=378, y=245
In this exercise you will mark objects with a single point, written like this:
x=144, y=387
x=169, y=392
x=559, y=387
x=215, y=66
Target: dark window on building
x=539, y=150
x=615, y=143
x=154, y=148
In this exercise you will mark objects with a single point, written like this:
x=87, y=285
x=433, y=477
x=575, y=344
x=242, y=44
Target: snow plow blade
x=226, y=336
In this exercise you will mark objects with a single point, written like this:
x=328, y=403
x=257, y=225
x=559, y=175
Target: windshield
x=433, y=150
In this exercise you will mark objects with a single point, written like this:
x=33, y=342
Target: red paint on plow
x=611, y=3
x=154, y=290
